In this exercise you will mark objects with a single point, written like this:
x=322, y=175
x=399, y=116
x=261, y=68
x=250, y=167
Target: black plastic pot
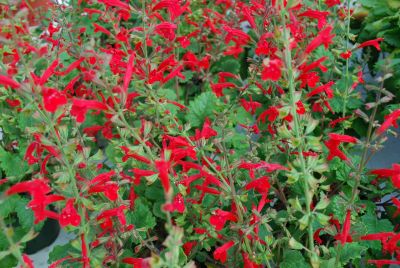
x=46, y=237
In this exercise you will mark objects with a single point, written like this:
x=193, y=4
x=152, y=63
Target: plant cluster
x=173, y=133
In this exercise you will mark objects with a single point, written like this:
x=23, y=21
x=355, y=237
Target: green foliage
x=200, y=108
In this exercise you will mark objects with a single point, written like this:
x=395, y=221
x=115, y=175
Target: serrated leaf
x=293, y=259
x=200, y=108
x=13, y=165
x=141, y=216
x=351, y=251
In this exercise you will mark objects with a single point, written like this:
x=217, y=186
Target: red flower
x=220, y=217
x=316, y=236
x=80, y=107
x=261, y=185
x=99, y=28
x=85, y=258
x=116, y=3
x=333, y=145
x=129, y=154
x=162, y=167
x=178, y=204
x=206, y=133
x=9, y=82
x=374, y=43
x=272, y=113
x=187, y=247
x=320, y=16
x=13, y=103
x=272, y=70
x=250, y=106
x=69, y=215
x=247, y=263
x=219, y=87
x=324, y=37
x=27, y=261
x=394, y=173
x=381, y=263
x=114, y=212
x=136, y=262
x=47, y=73
x=346, y=55
x=324, y=88
x=166, y=30
x=109, y=189
x=344, y=236
x=52, y=99
x=221, y=253
x=390, y=120
x=38, y=189
x=396, y=202
x=331, y=3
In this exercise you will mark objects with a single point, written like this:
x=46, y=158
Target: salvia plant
x=177, y=133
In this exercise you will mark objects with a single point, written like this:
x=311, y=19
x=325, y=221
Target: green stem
x=346, y=93
x=298, y=133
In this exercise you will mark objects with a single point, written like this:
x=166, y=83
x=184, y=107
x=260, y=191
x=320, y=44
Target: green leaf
x=351, y=251
x=293, y=259
x=141, y=216
x=200, y=108
x=61, y=251
x=25, y=215
x=12, y=164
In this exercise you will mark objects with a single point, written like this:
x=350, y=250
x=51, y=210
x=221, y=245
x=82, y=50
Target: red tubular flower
x=390, y=120
x=221, y=253
x=396, y=202
x=129, y=154
x=187, y=247
x=219, y=87
x=81, y=106
x=99, y=28
x=344, y=236
x=116, y=3
x=85, y=258
x=250, y=106
x=27, y=261
x=320, y=16
x=271, y=114
x=324, y=88
x=163, y=169
x=178, y=204
x=333, y=145
x=394, y=173
x=272, y=70
x=109, y=189
x=52, y=99
x=346, y=55
x=136, y=262
x=324, y=37
x=220, y=217
x=374, y=43
x=69, y=215
x=261, y=185
x=316, y=236
x=9, y=82
x=71, y=67
x=206, y=133
x=129, y=71
x=166, y=30
x=331, y=3
x=114, y=212
x=381, y=263
x=47, y=73
x=247, y=263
